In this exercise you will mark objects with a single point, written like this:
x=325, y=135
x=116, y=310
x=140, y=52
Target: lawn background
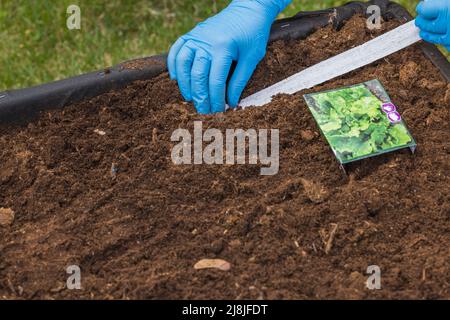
x=37, y=47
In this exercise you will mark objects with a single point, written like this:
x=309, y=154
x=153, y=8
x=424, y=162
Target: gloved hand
x=434, y=21
x=201, y=60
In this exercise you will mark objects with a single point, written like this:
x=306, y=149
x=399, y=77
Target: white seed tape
x=373, y=50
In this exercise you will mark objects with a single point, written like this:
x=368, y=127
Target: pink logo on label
x=391, y=111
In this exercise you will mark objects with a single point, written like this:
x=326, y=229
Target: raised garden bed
x=309, y=232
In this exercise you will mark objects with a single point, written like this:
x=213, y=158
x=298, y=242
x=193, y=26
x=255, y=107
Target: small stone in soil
x=6, y=217
x=114, y=170
x=100, y=132
x=235, y=243
x=217, y=246
x=213, y=264
x=154, y=135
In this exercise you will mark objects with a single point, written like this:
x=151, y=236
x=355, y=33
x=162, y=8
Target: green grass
x=37, y=47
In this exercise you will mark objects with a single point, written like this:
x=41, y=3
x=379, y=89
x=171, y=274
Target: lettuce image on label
x=359, y=121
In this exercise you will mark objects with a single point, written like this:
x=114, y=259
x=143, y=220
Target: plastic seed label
x=359, y=121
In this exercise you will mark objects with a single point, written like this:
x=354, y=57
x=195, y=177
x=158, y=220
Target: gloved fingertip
x=171, y=58
x=232, y=98
x=429, y=9
x=424, y=35
x=419, y=8
x=216, y=108
x=233, y=102
x=203, y=111
x=202, y=105
x=421, y=23
x=417, y=22
x=203, y=108
x=242, y=74
x=432, y=37
x=228, y=107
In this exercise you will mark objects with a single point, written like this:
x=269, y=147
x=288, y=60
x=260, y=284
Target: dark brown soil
x=112, y=202
x=141, y=64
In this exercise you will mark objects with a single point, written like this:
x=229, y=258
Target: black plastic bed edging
x=23, y=105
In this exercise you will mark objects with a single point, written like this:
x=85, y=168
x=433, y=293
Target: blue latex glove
x=201, y=60
x=434, y=21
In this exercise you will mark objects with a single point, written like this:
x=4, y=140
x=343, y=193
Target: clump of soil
x=6, y=217
x=136, y=224
x=409, y=74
